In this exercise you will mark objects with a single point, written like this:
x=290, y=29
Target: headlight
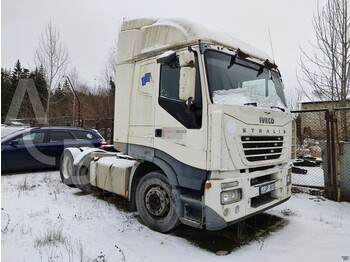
x=228, y=197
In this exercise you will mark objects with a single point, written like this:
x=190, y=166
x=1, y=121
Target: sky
x=89, y=28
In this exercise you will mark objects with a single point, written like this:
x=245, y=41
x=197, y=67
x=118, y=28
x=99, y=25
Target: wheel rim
x=157, y=201
x=67, y=167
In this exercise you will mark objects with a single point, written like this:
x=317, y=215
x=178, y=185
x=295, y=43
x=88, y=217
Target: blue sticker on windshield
x=146, y=79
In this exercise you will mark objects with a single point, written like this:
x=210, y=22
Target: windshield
x=235, y=81
x=9, y=133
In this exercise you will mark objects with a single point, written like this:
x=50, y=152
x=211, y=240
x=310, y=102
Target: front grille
x=260, y=168
x=260, y=148
x=261, y=179
x=261, y=200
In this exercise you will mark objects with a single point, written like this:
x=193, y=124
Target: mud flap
x=213, y=220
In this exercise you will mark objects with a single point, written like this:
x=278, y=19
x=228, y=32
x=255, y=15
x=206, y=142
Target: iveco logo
x=266, y=120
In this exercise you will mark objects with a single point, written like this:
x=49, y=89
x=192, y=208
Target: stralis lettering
x=264, y=131
x=266, y=120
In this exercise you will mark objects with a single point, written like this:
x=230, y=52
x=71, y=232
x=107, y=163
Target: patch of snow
x=9, y=130
x=241, y=96
x=176, y=23
x=87, y=150
x=121, y=163
x=193, y=31
x=154, y=48
x=91, y=228
x=166, y=54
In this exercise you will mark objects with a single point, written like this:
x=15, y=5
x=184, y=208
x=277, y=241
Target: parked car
x=42, y=147
x=10, y=129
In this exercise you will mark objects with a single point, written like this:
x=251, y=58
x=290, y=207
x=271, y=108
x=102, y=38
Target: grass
x=231, y=238
x=52, y=237
x=219, y=242
x=25, y=186
x=288, y=212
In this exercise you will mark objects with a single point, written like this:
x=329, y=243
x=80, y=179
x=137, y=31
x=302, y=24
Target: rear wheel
x=155, y=202
x=66, y=165
x=81, y=170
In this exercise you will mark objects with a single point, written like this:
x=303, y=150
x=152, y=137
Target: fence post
x=334, y=163
x=329, y=162
x=112, y=133
x=338, y=157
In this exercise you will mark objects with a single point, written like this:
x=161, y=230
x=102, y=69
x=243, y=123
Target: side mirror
x=187, y=76
x=166, y=57
x=187, y=83
x=14, y=143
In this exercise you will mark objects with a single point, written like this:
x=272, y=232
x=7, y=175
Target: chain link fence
x=342, y=150
x=104, y=127
x=323, y=151
x=308, y=167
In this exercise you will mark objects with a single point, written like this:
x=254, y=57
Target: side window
x=58, y=136
x=169, y=81
x=35, y=138
x=83, y=135
x=169, y=96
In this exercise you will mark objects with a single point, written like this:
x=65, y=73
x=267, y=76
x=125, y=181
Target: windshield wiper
x=260, y=71
x=251, y=104
x=269, y=65
x=232, y=61
x=282, y=109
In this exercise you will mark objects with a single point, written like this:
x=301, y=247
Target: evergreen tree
x=39, y=79
x=9, y=83
x=112, y=85
x=16, y=74
x=7, y=92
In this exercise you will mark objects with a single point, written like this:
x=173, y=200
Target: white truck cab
x=201, y=124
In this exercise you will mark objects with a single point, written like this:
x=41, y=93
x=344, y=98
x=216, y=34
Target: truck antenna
x=273, y=55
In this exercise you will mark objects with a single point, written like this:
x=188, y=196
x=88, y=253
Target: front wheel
x=155, y=202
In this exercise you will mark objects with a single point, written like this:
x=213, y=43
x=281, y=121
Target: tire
x=155, y=202
x=81, y=170
x=66, y=165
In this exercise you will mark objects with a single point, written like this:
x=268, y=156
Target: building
x=313, y=124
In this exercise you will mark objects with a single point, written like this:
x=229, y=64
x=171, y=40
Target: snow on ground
x=44, y=220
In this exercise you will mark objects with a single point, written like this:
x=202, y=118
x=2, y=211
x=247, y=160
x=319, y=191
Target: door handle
x=158, y=133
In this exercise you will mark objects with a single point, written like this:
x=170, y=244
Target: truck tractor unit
x=201, y=129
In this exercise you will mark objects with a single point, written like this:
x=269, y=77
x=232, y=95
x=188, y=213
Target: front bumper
x=253, y=201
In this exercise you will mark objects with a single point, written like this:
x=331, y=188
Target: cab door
x=179, y=128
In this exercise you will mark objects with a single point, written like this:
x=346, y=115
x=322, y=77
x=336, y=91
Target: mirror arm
x=13, y=144
x=189, y=102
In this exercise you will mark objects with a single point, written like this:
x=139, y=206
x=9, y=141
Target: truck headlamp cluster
x=231, y=196
x=229, y=184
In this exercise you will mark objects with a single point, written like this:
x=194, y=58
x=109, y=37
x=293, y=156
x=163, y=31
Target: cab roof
x=152, y=35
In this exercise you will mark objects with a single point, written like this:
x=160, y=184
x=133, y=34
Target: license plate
x=267, y=188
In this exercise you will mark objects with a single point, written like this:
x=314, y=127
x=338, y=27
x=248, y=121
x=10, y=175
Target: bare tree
x=54, y=58
x=294, y=98
x=327, y=71
x=108, y=73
